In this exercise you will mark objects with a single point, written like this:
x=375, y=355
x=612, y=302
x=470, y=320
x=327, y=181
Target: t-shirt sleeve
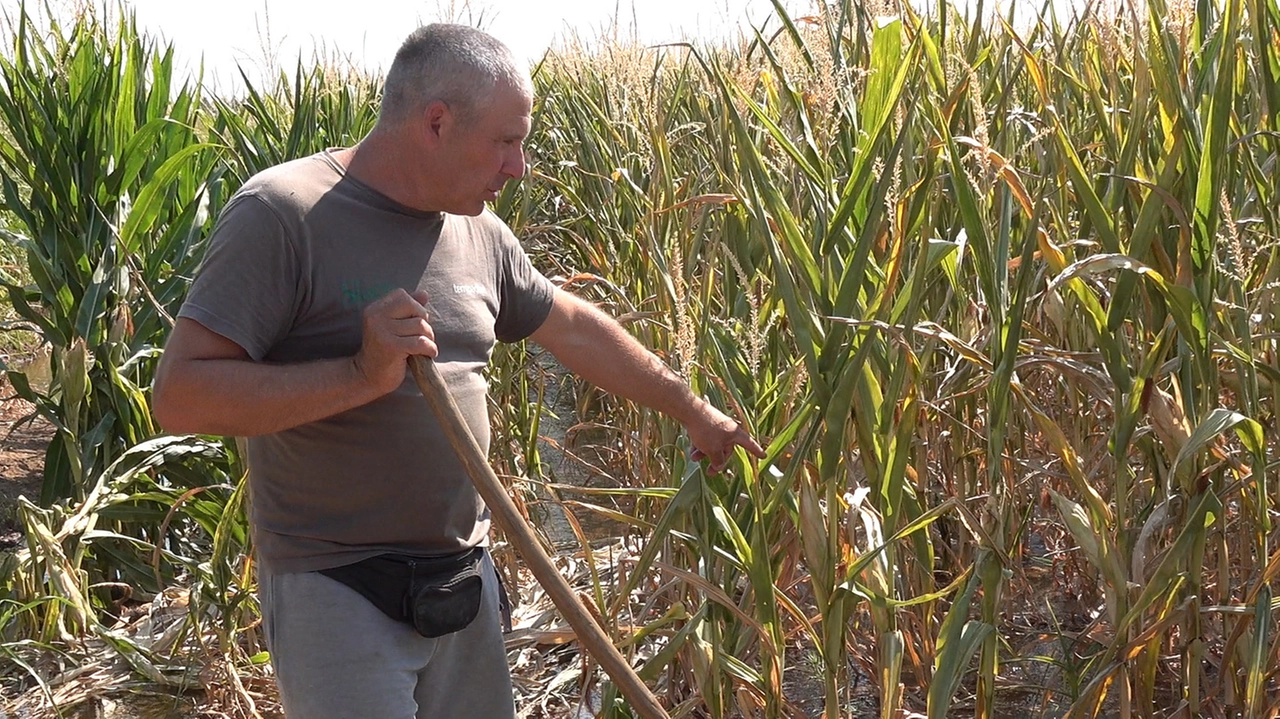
x=526, y=294
x=247, y=287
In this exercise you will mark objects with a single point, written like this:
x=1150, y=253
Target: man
x=296, y=333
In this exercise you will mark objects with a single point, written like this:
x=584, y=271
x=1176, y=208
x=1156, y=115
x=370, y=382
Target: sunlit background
x=252, y=34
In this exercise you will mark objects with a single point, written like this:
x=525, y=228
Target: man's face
x=486, y=150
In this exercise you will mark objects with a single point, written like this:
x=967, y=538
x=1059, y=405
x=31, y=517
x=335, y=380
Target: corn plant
x=922, y=206
x=111, y=194
x=322, y=107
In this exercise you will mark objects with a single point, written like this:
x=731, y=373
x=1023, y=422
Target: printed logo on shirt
x=476, y=289
x=355, y=293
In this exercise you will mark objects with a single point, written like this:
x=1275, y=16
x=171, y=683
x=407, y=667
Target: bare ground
x=23, y=440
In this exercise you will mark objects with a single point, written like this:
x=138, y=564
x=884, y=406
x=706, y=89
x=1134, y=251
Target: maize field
x=995, y=286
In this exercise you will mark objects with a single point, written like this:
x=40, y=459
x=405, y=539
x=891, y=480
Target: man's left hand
x=714, y=436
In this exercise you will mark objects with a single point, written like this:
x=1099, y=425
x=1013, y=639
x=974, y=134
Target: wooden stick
x=504, y=512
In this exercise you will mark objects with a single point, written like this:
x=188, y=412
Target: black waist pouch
x=434, y=595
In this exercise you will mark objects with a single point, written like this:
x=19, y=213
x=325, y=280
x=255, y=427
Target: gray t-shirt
x=297, y=255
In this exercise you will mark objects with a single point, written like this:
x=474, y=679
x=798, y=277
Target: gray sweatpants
x=336, y=656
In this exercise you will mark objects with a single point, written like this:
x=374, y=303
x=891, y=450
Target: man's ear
x=436, y=121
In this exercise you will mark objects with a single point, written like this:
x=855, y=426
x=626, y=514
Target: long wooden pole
x=504, y=512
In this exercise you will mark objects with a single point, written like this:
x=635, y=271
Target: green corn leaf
x=1187, y=310
x=1209, y=182
x=151, y=200
x=1081, y=528
x=1255, y=696
x=1216, y=423
x=958, y=641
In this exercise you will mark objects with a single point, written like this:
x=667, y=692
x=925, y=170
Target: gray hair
x=454, y=64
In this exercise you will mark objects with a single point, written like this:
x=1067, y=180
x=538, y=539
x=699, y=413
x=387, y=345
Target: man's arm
x=595, y=347
x=208, y=384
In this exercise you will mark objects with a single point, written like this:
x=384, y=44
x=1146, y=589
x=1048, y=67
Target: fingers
x=412, y=328
x=714, y=464
x=396, y=327
x=748, y=443
x=400, y=320
x=721, y=449
x=399, y=304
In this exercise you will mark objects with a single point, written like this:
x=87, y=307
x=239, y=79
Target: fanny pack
x=434, y=595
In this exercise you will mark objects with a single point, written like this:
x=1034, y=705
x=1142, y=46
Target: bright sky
x=369, y=31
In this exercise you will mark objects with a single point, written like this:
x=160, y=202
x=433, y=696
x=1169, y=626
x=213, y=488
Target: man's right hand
x=207, y=384
x=395, y=328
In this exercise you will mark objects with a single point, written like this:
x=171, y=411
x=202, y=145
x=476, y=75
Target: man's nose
x=514, y=166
